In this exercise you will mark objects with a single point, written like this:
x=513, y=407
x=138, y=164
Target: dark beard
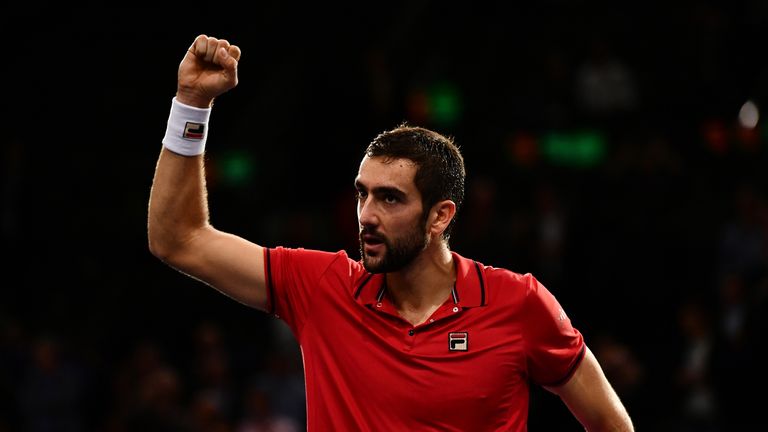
x=398, y=254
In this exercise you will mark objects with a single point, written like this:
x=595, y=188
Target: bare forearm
x=177, y=204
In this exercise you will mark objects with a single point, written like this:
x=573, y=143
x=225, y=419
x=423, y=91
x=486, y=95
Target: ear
x=440, y=216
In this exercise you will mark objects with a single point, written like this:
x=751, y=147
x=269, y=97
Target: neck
x=420, y=288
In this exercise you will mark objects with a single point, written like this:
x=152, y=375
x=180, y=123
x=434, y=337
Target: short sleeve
x=554, y=348
x=293, y=277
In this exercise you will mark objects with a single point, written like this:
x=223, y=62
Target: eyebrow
x=381, y=190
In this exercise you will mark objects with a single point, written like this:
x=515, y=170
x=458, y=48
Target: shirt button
x=431, y=320
x=378, y=304
x=410, y=332
x=455, y=309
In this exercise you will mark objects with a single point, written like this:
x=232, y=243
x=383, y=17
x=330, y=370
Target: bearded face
x=384, y=254
x=390, y=214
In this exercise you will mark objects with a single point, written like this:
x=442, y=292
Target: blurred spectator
x=735, y=356
x=698, y=410
x=143, y=360
x=281, y=379
x=147, y=393
x=206, y=415
x=13, y=358
x=744, y=236
x=478, y=229
x=212, y=387
x=259, y=415
x=605, y=85
x=159, y=407
x=555, y=94
x=52, y=392
x=622, y=367
x=551, y=226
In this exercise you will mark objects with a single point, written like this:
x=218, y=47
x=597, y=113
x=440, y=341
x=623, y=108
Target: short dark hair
x=439, y=164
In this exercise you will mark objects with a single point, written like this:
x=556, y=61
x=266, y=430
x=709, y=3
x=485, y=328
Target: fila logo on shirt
x=458, y=341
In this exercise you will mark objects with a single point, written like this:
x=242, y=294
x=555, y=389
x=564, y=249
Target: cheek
x=412, y=221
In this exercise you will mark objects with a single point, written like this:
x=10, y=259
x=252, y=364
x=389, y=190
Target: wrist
x=192, y=98
x=187, y=129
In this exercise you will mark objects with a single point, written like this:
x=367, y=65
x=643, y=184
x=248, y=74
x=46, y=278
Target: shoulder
x=306, y=255
x=498, y=285
x=507, y=285
x=506, y=276
x=321, y=263
x=499, y=276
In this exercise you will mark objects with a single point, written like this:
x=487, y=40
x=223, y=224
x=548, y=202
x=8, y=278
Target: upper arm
x=592, y=400
x=232, y=265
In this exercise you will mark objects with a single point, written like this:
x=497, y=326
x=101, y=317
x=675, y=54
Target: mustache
x=367, y=234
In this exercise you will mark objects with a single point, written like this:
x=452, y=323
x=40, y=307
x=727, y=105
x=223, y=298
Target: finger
x=211, y=46
x=221, y=44
x=225, y=60
x=234, y=52
x=199, y=45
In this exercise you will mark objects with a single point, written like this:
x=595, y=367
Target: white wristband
x=187, y=129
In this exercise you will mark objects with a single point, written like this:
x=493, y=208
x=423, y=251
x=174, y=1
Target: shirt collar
x=470, y=287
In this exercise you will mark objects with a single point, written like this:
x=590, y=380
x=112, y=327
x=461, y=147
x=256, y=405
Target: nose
x=366, y=213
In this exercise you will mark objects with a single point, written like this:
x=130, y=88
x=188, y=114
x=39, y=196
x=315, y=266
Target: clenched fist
x=208, y=69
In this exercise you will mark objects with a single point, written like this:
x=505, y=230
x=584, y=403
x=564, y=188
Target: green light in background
x=445, y=103
x=236, y=168
x=578, y=149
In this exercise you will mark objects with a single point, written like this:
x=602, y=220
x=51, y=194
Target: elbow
x=173, y=247
x=163, y=246
x=158, y=249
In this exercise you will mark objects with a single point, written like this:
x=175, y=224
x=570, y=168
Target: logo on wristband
x=194, y=131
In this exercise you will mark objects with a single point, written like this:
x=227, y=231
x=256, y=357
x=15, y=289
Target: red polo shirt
x=467, y=368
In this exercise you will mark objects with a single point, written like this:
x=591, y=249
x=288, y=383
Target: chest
x=468, y=360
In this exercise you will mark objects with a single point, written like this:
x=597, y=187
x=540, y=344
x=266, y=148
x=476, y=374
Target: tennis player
x=410, y=337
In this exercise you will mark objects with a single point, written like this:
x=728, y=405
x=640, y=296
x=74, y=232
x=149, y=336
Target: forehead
x=378, y=171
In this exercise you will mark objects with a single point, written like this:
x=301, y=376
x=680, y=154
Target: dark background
x=604, y=149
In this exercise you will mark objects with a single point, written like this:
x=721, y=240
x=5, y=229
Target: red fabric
x=364, y=370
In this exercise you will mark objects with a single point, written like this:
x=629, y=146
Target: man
x=413, y=337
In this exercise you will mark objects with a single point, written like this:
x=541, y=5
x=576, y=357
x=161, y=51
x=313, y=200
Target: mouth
x=372, y=244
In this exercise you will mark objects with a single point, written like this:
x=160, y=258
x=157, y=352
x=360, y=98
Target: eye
x=360, y=195
x=390, y=199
